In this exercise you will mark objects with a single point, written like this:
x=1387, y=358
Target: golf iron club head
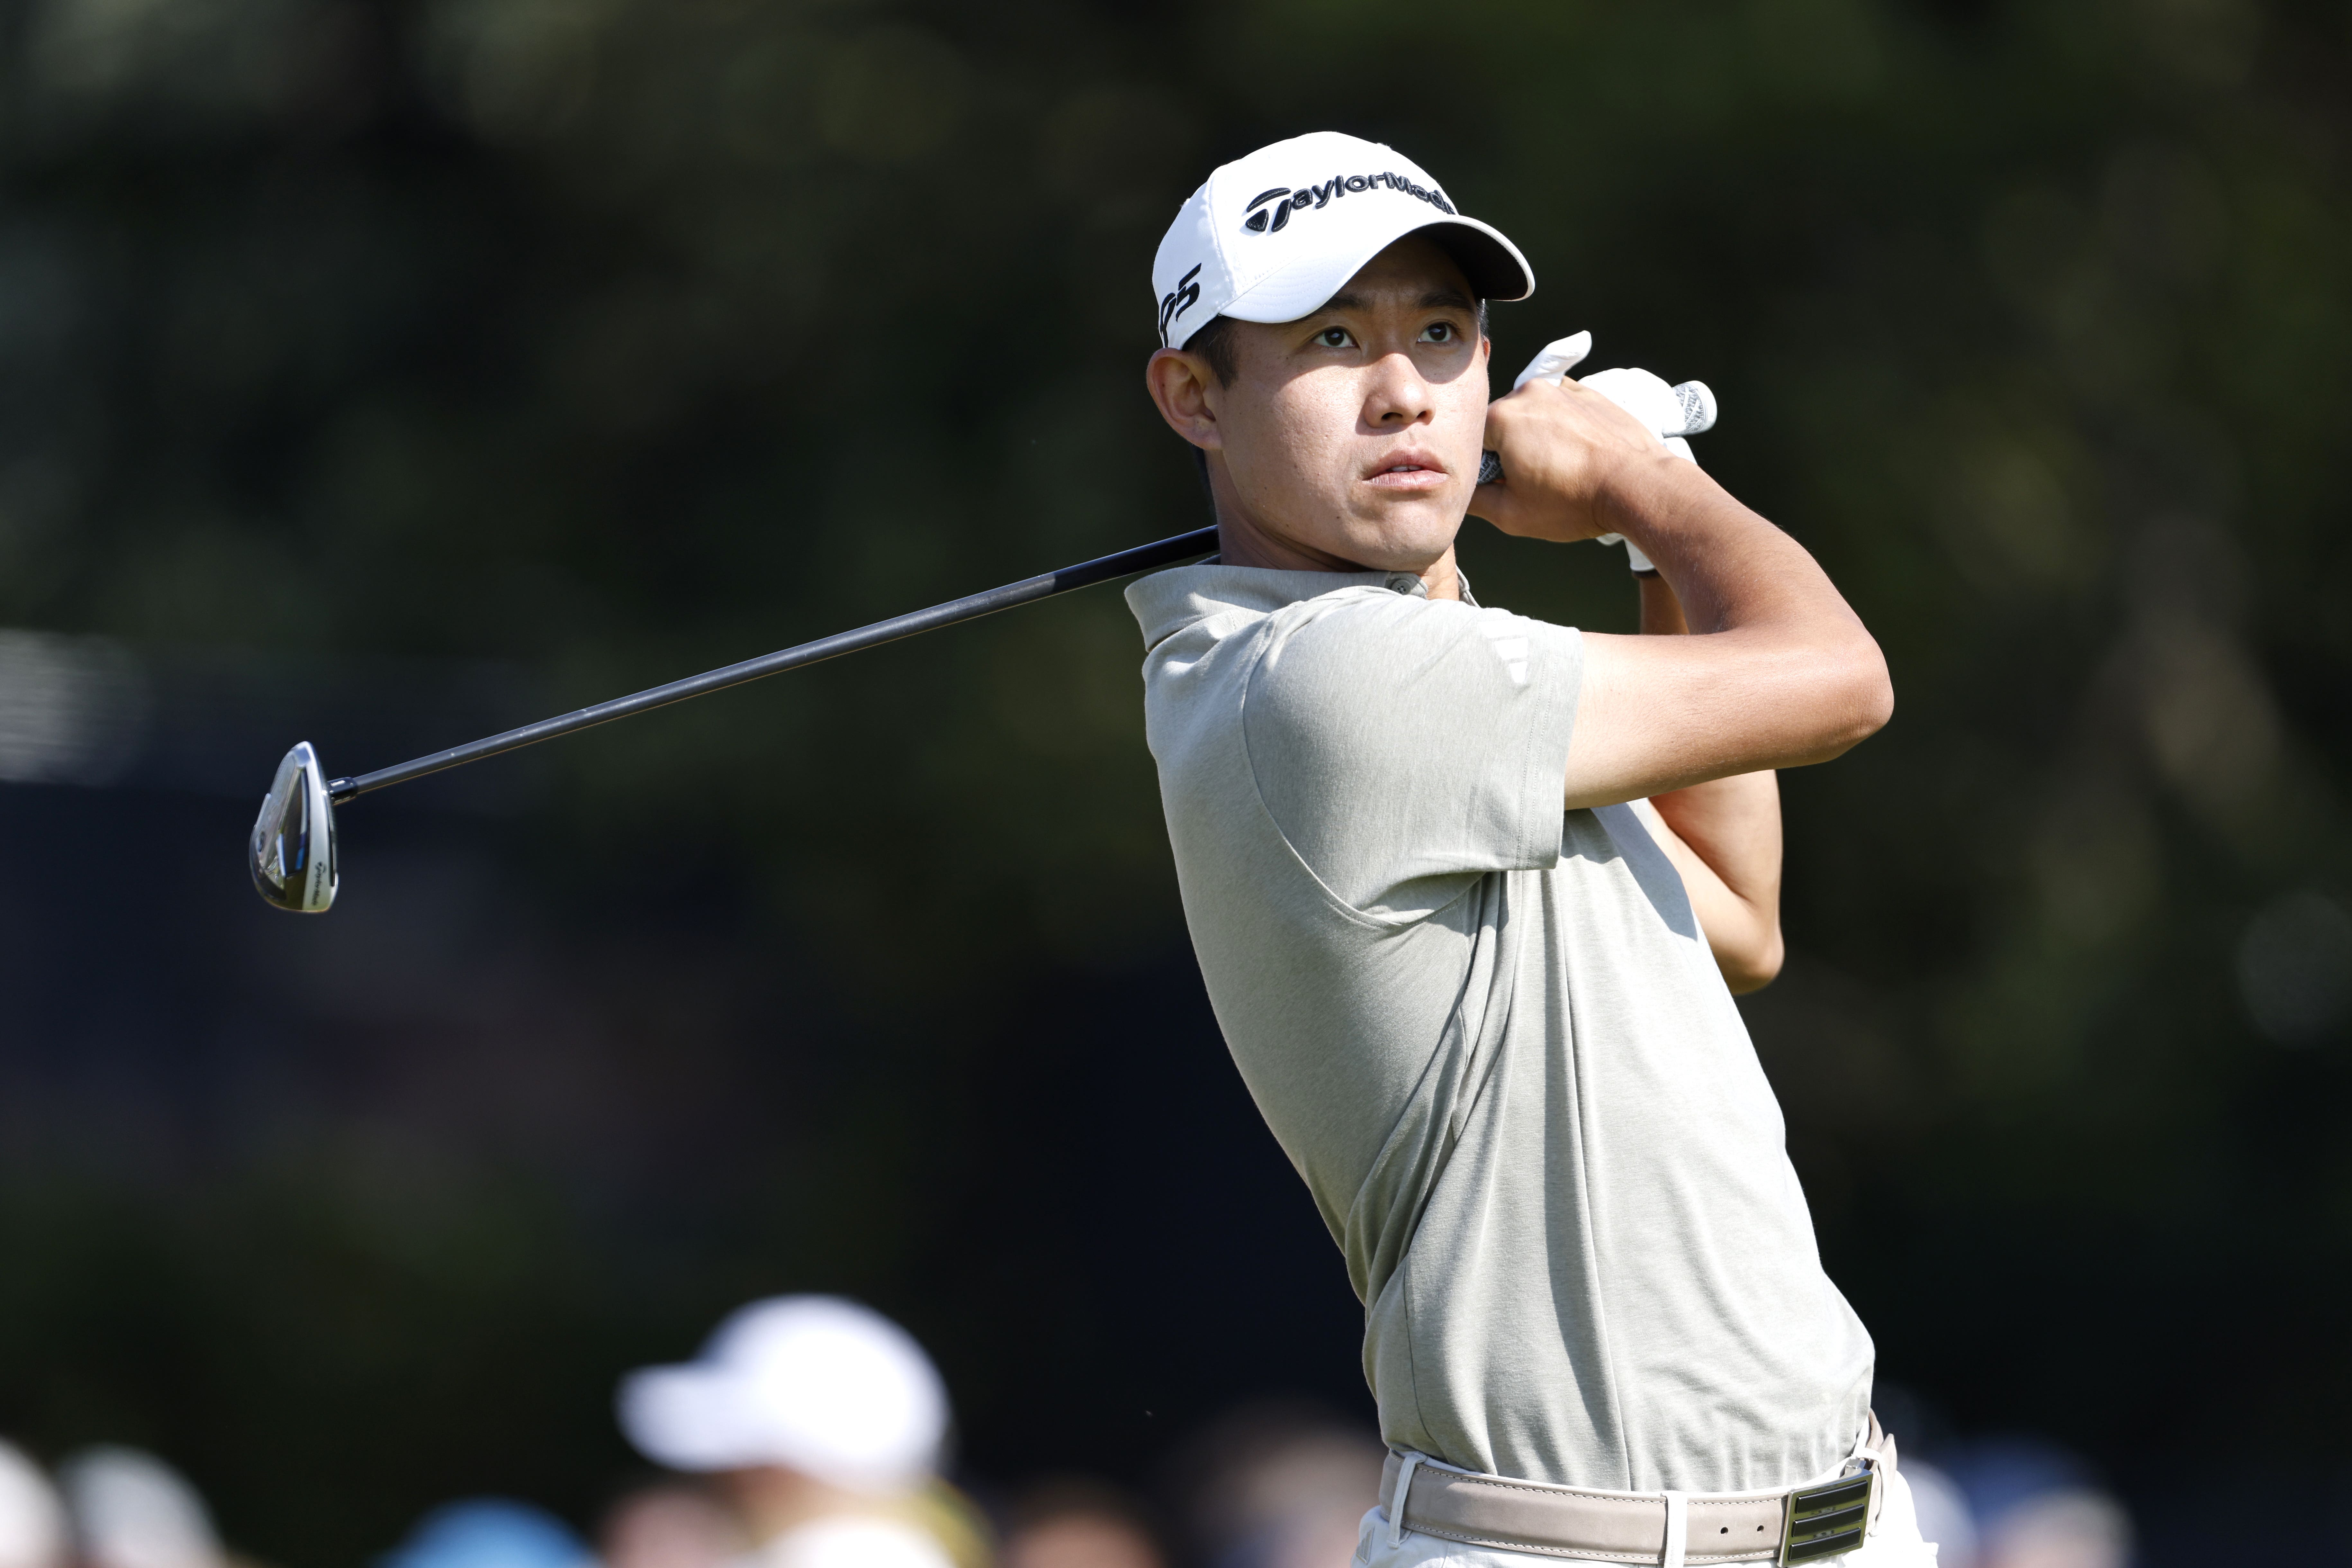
x=294, y=837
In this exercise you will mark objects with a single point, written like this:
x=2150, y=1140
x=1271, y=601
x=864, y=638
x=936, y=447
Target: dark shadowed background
x=382, y=372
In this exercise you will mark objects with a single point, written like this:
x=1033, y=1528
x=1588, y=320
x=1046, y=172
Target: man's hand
x=1562, y=445
x=1779, y=672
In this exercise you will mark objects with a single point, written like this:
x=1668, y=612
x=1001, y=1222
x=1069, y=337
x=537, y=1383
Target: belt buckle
x=1827, y=1520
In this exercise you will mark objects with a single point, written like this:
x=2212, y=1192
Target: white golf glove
x=1672, y=413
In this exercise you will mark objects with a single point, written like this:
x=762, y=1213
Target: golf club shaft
x=1143, y=558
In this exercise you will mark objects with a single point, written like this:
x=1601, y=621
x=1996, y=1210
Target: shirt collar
x=1165, y=603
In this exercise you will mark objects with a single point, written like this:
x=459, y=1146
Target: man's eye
x=1438, y=333
x=1335, y=338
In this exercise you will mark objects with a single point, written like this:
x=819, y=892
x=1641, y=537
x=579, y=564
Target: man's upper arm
x=1664, y=713
x=1393, y=739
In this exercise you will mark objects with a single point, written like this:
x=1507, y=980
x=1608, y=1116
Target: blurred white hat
x=132, y=1510
x=32, y=1521
x=824, y=1386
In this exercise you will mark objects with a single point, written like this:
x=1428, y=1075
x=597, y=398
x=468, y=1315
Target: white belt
x=1804, y=1524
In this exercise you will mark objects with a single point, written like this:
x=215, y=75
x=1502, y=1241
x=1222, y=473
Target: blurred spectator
x=32, y=1520
x=130, y=1509
x=671, y=1526
x=491, y=1533
x=1279, y=1487
x=2035, y=1506
x=1944, y=1515
x=2072, y=1528
x=1079, y=1524
x=823, y=1421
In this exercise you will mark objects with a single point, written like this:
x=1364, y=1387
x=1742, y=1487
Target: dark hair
x=1214, y=342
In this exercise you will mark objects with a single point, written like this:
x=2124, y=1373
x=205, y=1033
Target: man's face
x=1351, y=436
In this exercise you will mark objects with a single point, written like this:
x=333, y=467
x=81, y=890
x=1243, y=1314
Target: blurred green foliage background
x=576, y=344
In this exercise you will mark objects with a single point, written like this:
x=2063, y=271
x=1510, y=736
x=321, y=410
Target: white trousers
x=1894, y=1543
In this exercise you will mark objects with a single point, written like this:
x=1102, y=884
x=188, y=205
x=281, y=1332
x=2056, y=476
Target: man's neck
x=1241, y=542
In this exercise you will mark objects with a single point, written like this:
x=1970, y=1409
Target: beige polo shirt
x=1491, y=1039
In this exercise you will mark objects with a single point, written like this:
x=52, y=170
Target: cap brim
x=1492, y=263
x=684, y=1418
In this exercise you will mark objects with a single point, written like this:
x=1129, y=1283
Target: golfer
x=1471, y=892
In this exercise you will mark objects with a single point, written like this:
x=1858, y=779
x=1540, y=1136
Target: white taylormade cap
x=828, y=1387
x=1273, y=236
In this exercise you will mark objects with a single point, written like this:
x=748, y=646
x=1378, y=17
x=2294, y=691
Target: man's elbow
x=1874, y=693
x=1856, y=695
x=1756, y=964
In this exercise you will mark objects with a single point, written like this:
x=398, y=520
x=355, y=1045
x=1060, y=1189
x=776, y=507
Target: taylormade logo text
x=1263, y=219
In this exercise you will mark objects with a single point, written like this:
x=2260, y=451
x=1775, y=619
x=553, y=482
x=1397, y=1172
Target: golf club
x=293, y=848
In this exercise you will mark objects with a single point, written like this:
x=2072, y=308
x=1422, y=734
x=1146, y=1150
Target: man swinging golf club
x=1471, y=892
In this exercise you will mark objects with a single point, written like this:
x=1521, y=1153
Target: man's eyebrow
x=1441, y=298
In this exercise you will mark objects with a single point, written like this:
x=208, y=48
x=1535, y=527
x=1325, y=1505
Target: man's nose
x=1397, y=396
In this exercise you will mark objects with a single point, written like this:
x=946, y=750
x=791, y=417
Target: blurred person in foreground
x=491, y=1533
x=1074, y=1524
x=32, y=1519
x=131, y=1509
x=2034, y=1504
x=822, y=1422
x=2077, y=1527
x=1279, y=1485
x=670, y=1526
x=1471, y=892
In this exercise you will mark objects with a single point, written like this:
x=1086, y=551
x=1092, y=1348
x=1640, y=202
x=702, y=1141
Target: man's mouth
x=1411, y=472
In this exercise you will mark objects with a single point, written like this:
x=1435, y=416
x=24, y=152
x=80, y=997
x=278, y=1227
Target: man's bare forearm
x=1780, y=672
x=1724, y=837
x=1732, y=823
x=1729, y=568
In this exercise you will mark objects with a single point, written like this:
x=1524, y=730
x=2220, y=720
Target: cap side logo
x=1257, y=224
x=1271, y=219
x=1186, y=295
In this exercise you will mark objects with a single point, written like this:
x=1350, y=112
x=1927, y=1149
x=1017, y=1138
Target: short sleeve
x=1401, y=745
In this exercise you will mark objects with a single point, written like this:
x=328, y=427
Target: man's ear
x=1185, y=390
